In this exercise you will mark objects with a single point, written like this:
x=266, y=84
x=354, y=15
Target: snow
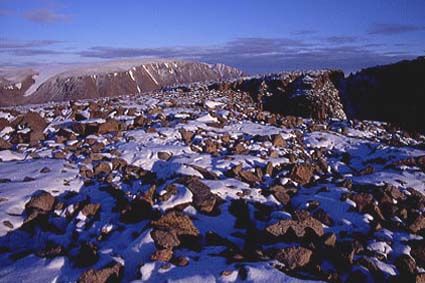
x=18, y=192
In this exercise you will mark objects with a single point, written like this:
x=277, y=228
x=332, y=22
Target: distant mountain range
x=62, y=83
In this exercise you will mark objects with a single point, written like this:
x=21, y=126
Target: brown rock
x=102, y=167
x=32, y=120
x=203, y=199
x=91, y=209
x=5, y=144
x=417, y=225
x=41, y=201
x=111, y=125
x=171, y=227
x=186, y=135
x=4, y=123
x=164, y=255
x=302, y=173
x=278, y=141
x=362, y=200
x=249, y=177
x=110, y=273
x=210, y=146
x=329, y=240
x=299, y=227
x=269, y=169
x=294, y=257
x=170, y=190
x=281, y=194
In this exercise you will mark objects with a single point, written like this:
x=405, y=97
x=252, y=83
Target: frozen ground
x=118, y=169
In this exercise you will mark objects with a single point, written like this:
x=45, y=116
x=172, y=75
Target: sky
x=256, y=36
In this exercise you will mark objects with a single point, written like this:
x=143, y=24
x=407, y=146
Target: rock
x=180, y=261
x=140, y=121
x=5, y=144
x=111, y=125
x=4, y=123
x=137, y=210
x=418, y=252
x=91, y=209
x=249, y=177
x=45, y=170
x=186, y=135
x=164, y=255
x=417, y=225
x=164, y=155
x=169, y=191
x=209, y=175
x=278, y=141
x=362, y=200
x=165, y=239
x=302, y=173
x=281, y=194
x=102, y=168
x=32, y=120
x=323, y=217
x=41, y=201
x=406, y=265
x=51, y=251
x=329, y=240
x=299, y=227
x=203, y=200
x=171, y=228
x=210, y=146
x=294, y=257
x=109, y=273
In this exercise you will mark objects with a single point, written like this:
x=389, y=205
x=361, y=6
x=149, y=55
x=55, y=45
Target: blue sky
x=256, y=36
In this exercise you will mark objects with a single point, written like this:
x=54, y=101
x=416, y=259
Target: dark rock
x=203, y=199
x=164, y=155
x=86, y=255
x=294, y=257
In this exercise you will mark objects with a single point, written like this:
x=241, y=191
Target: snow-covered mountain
x=70, y=82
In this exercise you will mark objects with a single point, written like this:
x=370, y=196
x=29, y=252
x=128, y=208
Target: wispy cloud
x=6, y=43
x=28, y=48
x=259, y=55
x=391, y=29
x=341, y=39
x=305, y=32
x=46, y=16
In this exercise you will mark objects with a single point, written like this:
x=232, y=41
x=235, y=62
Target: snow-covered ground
x=250, y=172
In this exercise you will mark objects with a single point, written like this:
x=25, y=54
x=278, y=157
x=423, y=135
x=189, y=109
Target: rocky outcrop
x=105, y=80
x=392, y=93
x=310, y=94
